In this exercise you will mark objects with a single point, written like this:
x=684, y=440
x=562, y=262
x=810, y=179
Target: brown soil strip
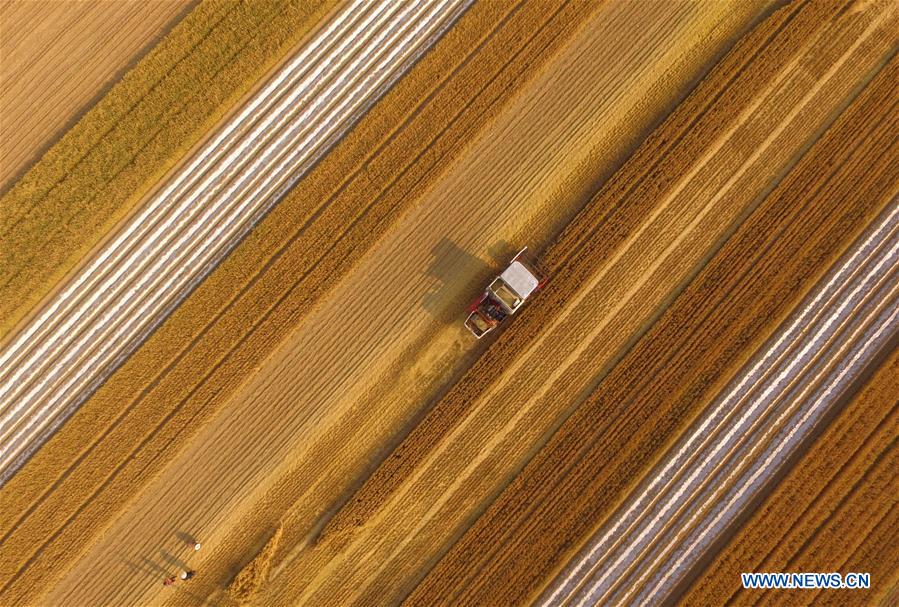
x=100, y=169
x=802, y=501
x=58, y=59
x=200, y=355
x=752, y=283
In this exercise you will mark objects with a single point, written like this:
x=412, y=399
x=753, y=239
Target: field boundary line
x=229, y=305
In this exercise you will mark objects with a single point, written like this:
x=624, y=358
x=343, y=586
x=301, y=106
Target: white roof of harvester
x=520, y=279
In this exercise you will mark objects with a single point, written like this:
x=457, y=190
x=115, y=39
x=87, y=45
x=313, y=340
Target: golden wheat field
x=239, y=359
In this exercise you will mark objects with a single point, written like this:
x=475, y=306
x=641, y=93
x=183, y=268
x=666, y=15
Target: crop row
x=642, y=182
x=525, y=37
x=662, y=382
x=98, y=171
x=129, y=428
x=807, y=497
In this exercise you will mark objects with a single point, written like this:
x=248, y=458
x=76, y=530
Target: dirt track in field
x=318, y=387
x=59, y=56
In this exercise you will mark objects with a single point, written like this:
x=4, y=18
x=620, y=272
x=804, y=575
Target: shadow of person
x=154, y=568
x=173, y=560
x=185, y=538
x=147, y=568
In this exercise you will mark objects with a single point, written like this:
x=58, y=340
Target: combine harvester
x=505, y=295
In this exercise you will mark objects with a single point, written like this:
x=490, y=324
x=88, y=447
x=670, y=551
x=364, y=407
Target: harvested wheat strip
x=287, y=397
x=445, y=414
x=485, y=98
x=557, y=515
x=162, y=253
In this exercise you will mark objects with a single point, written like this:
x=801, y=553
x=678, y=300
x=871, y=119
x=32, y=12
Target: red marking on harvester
x=474, y=305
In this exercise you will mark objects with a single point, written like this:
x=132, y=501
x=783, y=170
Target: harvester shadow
x=450, y=264
x=155, y=567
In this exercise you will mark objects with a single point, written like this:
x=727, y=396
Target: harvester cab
x=505, y=295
